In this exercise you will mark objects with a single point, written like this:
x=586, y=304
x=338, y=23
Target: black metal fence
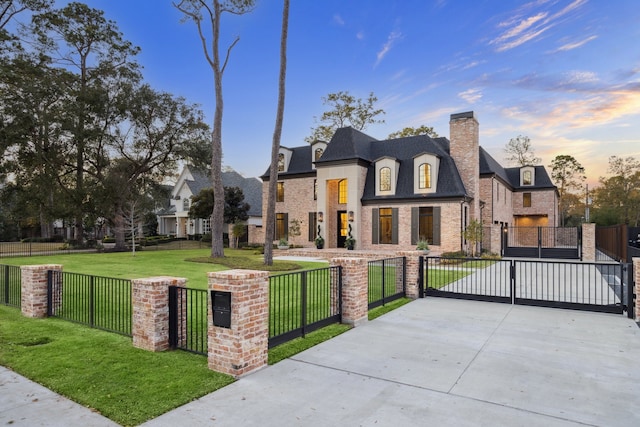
x=22, y=249
x=542, y=242
x=99, y=302
x=10, y=285
x=386, y=280
x=188, y=319
x=302, y=302
x=598, y=287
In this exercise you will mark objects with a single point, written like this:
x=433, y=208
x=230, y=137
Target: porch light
x=350, y=216
x=320, y=217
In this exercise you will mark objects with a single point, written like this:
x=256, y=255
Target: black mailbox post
x=221, y=307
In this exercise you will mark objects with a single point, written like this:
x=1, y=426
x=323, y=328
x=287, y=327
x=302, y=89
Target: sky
x=565, y=73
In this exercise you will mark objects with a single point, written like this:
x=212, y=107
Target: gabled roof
x=251, y=187
x=511, y=176
x=489, y=166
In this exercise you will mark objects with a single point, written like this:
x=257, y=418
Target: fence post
x=150, y=300
x=413, y=272
x=34, y=299
x=589, y=242
x=242, y=347
x=636, y=271
x=355, y=286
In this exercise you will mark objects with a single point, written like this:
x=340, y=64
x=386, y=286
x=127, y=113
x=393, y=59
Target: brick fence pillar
x=243, y=347
x=636, y=273
x=34, y=289
x=150, y=300
x=355, y=286
x=413, y=271
x=589, y=242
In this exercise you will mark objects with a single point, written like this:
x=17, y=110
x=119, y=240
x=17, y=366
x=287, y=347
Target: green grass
x=102, y=370
x=384, y=309
x=297, y=345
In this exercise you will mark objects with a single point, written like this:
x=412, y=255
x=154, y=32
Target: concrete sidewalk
x=434, y=361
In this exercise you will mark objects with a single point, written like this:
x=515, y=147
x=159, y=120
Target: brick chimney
x=465, y=149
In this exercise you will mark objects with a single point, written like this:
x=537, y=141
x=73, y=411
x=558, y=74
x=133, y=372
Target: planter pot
x=319, y=246
x=425, y=252
x=349, y=248
x=283, y=246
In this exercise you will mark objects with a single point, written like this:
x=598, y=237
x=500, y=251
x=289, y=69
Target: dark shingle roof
x=542, y=179
x=489, y=166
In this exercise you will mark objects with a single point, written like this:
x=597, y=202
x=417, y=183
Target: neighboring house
x=174, y=218
x=389, y=194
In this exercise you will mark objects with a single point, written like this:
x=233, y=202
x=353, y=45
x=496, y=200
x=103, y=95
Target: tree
x=196, y=11
x=10, y=8
x=520, y=153
x=345, y=110
x=410, y=131
x=618, y=196
x=80, y=38
x=473, y=234
x=568, y=175
x=235, y=208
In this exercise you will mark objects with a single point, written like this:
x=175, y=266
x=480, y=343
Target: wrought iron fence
x=99, y=302
x=302, y=302
x=188, y=319
x=24, y=249
x=10, y=285
x=386, y=280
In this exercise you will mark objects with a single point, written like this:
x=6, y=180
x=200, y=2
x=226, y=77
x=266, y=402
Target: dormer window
x=318, y=153
x=424, y=179
x=527, y=176
x=185, y=204
x=385, y=179
x=280, y=162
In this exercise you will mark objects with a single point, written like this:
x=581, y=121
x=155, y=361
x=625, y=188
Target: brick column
x=413, y=271
x=589, y=242
x=495, y=238
x=636, y=273
x=355, y=284
x=243, y=347
x=34, y=289
x=150, y=327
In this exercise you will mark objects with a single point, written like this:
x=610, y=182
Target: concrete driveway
x=440, y=362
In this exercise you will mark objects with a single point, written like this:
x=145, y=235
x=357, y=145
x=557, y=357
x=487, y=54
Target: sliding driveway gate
x=542, y=242
x=583, y=286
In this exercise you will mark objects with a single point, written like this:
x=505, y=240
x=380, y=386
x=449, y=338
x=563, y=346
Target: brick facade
x=34, y=298
x=464, y=133
x=150, y=323
x=243, y=347
x=589, y=242
x=542, y=212
x=355, y=285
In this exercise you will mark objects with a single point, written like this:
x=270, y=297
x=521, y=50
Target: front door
x=343, y=223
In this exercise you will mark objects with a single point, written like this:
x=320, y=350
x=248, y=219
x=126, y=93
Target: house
x=388, y=194
x=174, y=218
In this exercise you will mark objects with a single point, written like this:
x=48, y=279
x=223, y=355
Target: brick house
x=388, y=194
x=174, y=219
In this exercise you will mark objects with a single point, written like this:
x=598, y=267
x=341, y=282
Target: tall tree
x=519, y=152
x=81, y=39
x=196, y=11
x=568, y=175
x=618, y=196
x=269, y=234
x=346, y=110
x=410, y=131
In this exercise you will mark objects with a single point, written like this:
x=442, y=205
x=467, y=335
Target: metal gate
x=583, y=286
x=188, y=319
x=542, y=242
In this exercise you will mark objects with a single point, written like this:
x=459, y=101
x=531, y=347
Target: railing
x=21, y=249
x=188, y=319
x=303, y=302
x=10, y=285
x=386, y=280
x=99, y=302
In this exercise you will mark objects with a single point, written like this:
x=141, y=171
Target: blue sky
x=566, y=73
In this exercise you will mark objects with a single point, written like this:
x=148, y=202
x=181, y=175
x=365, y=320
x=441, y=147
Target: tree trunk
x=269, y=234
x=118, y=224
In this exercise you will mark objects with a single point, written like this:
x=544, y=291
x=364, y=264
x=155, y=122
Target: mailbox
x=221, y=308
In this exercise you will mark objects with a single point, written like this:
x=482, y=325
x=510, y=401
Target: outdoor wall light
x=320, y=217
x=350, y=216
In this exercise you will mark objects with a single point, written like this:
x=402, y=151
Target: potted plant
x=349, y=243
x=423, y=245
x=319, y=242
x=283, y=244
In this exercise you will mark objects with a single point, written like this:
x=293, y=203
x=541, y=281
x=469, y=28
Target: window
x=185, y=204
x=526, y=178
x=384, y=226
x=424, y=171
x=281, y=226
x=342, y=191
x=385, y=179
x=206, y=226
x=425, y=224
x=280, y=162
x=318, y=153
x=313, y=226
x=526, y=200
x=280, y=192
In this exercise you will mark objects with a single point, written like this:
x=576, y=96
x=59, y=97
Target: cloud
x=360, y=35
x=337, y=19
x=521, y=28
x=471, y=95
x=575, y=45
x=386, y=48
